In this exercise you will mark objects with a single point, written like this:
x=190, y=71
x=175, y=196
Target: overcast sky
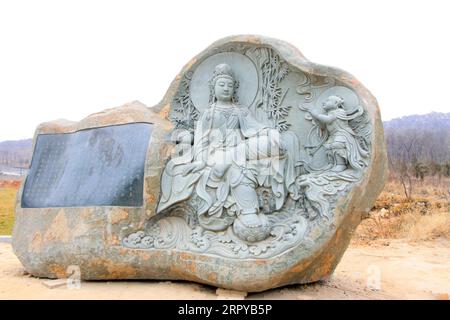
x=68, y=59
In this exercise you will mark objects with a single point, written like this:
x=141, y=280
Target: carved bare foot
x=251, y=220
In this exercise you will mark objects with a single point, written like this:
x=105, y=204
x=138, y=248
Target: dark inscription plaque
x=92, y=167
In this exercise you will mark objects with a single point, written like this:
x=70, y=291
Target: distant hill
x=12, y=145
x=437, y=121
x=16, y=154
x=425, y=138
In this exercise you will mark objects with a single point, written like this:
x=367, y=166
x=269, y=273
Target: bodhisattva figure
x=343, y=149
x=232, y=155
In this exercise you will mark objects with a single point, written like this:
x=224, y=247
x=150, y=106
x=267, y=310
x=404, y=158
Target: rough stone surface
x=98, y=239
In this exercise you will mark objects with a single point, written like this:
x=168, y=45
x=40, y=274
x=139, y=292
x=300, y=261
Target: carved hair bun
x=223, y=70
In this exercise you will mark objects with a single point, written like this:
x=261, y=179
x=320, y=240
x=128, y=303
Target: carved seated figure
x=232, y=155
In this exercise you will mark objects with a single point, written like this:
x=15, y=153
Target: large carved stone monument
x=250, y=174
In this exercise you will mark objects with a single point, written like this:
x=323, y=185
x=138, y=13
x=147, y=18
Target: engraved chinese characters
x=101, y=166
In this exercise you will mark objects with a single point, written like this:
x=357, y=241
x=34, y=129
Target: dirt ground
x=387, y=269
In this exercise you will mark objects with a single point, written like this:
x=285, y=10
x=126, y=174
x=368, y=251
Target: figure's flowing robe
x=238, y=150
x=341, y=133
x=342, y=141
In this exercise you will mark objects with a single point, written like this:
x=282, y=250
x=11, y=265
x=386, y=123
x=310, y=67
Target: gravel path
x=5, y=239
x=384, y=270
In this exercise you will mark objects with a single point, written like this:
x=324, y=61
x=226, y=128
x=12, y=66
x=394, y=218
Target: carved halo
x=351, y=100
x=244, y=71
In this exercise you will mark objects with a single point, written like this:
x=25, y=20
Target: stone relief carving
x=262, y=154
x=185, y=114
x=273, y=70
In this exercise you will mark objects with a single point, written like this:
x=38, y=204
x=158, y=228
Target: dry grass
x=425, y=216
x=7, y=201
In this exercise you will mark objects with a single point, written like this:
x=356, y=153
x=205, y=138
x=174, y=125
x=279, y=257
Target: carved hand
x=200, y=165
x=263, y=132
x=314, y=112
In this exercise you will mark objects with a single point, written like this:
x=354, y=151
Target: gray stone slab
x=101, y=167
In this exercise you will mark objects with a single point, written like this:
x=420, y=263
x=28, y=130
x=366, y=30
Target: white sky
x=68, y=59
